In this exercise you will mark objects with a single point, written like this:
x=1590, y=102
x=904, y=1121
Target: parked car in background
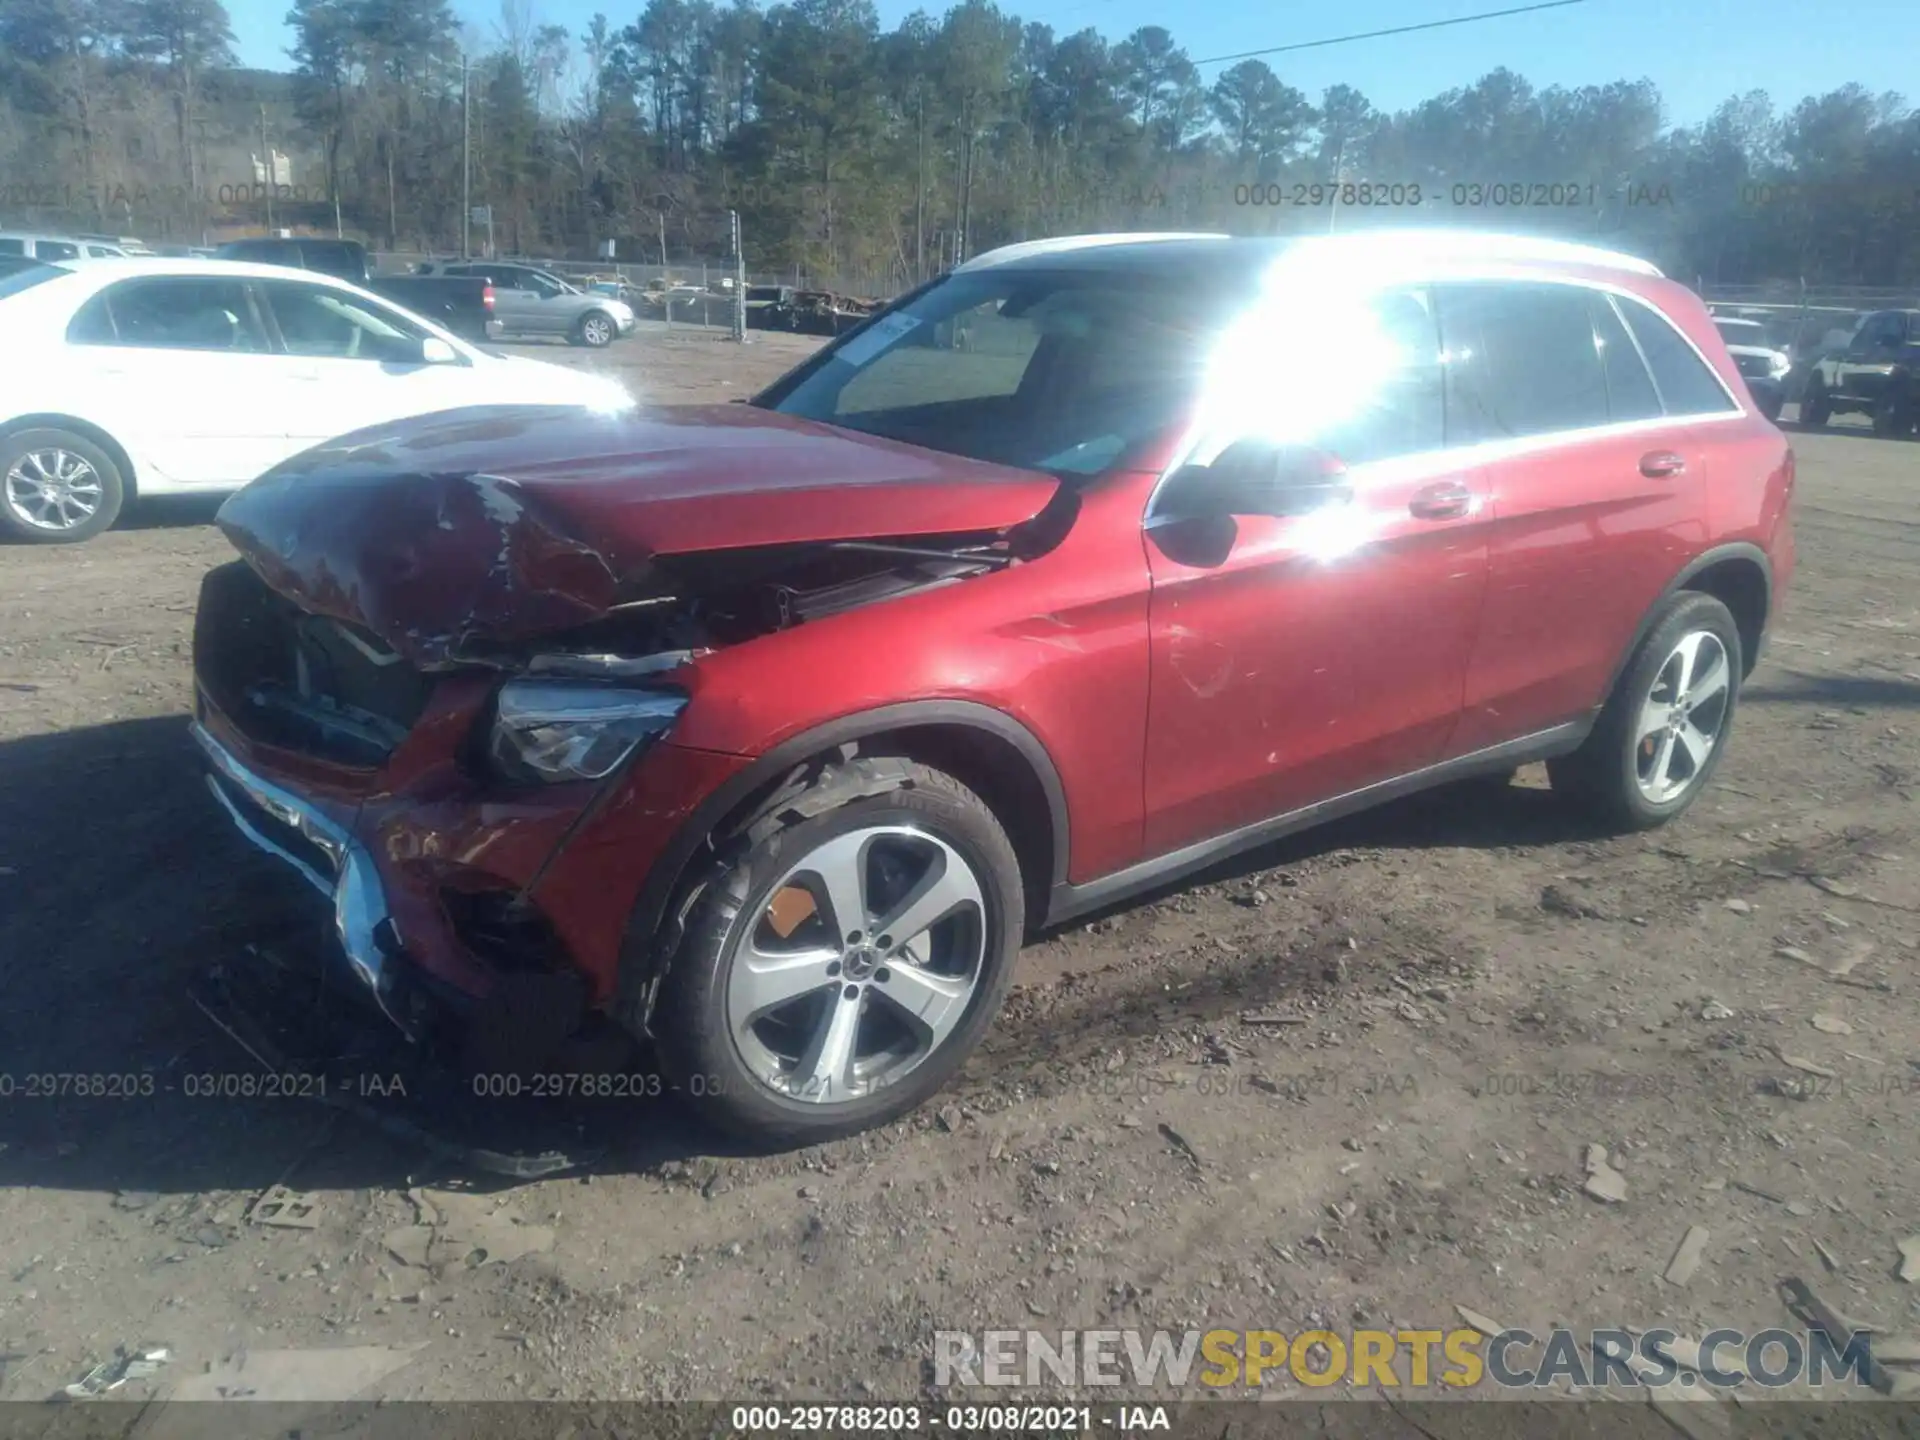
x=770, y=307
x=464, y=305
x=1762, y=366
x=769, y=731
x=120, y=244
x=42, y=247
x=163, y=376
x=531, y=303
x=1877, y=373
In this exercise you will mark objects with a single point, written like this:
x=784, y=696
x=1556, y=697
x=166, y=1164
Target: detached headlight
x=556, y=730
x=1779, y=365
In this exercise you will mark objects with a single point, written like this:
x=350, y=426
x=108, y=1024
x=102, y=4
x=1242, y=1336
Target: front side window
x=1049, y=370
x=316, y=320
x=10, y=246
x=1521, y=360
x=1687, y=384
x=170, y=313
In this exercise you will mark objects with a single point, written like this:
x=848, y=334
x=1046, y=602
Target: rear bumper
x=494, y=329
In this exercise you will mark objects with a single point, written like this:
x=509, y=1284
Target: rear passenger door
x=1584, y=409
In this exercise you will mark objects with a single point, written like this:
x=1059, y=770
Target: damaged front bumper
x=333, y=863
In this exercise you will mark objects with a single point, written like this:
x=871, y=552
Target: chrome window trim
x=1488, y=451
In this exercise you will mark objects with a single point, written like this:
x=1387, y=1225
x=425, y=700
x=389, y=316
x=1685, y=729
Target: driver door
x=356, y=361
x=1297, y=658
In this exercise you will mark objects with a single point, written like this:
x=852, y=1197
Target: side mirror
x=1254, y=477
x=435, y=351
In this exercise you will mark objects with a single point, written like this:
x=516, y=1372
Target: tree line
x=850, y=150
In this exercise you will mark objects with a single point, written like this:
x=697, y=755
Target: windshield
x=1048, y=371
x=15, y=276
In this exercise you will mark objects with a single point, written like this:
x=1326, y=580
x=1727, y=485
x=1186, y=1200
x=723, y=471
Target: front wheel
x=56, y=487
x=1815, y=408
x=595, y=331
x=840, y=967
x=1665, y=727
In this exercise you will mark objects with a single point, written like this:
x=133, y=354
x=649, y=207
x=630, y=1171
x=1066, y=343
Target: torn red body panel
x=510, y=522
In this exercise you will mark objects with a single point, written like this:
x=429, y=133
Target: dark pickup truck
x=1876, y=373
x=459, y=304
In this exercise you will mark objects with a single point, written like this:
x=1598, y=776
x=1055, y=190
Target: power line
x=1396, y=30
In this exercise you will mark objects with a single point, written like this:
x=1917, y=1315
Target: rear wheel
x=1892, y=416
x=1665, y=727
x=845, y=958
x=56, y=487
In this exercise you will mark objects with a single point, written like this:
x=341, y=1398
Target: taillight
x=486, y=296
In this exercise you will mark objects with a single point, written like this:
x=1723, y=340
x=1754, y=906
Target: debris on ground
x=110, y=1375
x=1806, y=1066
x=1740, y=907
x=1603, y=1181
x=1477, y=1321
x=297, y=1375
x=455, y=1228
x=1180, y=1143
x=1801, y=1298
x=1558, y=901
x=134, y=1199
x=1826, y=1258
x=1686, y=1258
x=1714, y=1010
x=1910, y=1258
x=1831, y=1025
x=288, y=1209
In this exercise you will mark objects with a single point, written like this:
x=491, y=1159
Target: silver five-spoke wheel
x=53, y=489
x=1682, y=716
x=863, y=961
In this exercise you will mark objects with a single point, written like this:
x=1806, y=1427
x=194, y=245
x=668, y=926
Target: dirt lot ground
x=1475, y=991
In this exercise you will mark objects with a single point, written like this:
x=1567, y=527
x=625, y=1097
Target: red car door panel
x=1585, y=540
x=1318, y=654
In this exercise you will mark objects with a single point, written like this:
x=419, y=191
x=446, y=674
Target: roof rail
x=1486, y=245
x=1026, y=249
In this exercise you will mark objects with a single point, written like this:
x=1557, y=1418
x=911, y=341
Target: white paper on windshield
x=871, y=341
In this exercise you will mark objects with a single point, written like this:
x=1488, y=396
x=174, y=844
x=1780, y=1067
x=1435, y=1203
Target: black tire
x=1892, y=417
x=595, y=330
x=1815, y=408
x=1603, y=775
x=694, y=1038
x=15, y=449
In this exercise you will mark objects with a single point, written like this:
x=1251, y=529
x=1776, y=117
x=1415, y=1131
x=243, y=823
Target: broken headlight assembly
x=551, y=731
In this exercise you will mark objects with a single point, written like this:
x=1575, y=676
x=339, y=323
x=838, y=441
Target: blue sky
x=1697, y=51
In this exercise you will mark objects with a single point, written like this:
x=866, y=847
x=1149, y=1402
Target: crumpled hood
x=502, y=523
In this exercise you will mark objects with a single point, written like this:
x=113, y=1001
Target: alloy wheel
x=53, y=489
x=863, y=961
x=1682, y=717
x=596, y=330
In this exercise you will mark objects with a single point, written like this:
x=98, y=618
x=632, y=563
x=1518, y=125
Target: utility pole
x=466, y=162
x=266, y=158
x=1339, y=162
x=739, y=281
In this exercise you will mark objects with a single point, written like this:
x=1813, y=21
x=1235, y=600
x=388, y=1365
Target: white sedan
x=125, y=377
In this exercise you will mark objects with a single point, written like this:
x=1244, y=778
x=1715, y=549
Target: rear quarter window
x=1687, y=384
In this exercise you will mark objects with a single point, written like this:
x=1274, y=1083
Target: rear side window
x=55, y=250
x=1687, y=384
x=170, y=313
x=1630, y=391
x=1521, y=360
x=12, y=247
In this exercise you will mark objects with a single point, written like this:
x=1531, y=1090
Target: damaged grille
x=301, y=682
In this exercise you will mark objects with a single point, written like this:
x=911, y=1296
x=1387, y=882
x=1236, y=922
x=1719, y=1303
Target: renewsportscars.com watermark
x=1456, y=1359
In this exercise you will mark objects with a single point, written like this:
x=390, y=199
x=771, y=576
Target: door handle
x=1448, y=500
x=1661, y=464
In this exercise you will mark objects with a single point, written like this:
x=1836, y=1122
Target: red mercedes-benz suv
x=767, y=731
